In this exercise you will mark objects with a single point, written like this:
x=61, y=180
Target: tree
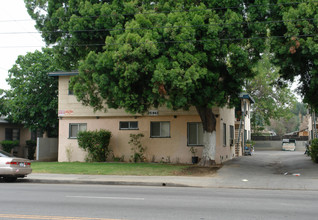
x=175, y=53
x=283, y=126
x=32, y=99
x=299, y=109
x=76, y=27
x=294, y=44
x=292, y=123
x=272, y=100
x=3, y=108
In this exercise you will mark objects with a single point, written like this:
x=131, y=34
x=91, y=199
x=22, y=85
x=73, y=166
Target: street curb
x=115, y=183
x=153, y=184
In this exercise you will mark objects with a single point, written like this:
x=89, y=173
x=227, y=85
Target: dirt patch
x=199, y=171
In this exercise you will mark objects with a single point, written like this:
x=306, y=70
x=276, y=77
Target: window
x=160, y=129
x=195, y=133
x=128, y=125
x=75, y=128
x=70, y=91
x=12, y=134
x=224, y=134
x=231, y=135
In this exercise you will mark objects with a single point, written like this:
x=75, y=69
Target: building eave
x=62, y=73
x=245, y=95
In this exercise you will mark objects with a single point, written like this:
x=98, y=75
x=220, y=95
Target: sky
x=17, y=36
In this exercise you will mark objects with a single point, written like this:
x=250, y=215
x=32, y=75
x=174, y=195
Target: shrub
x=314, y=150
x=95, y=143
x=137, y=148
x=8, y=145
x=31, y=144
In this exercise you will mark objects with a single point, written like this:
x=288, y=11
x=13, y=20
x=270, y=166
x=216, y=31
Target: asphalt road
x=92, y=202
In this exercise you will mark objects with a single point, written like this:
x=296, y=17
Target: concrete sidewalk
x=288, y=182
x=263, y=170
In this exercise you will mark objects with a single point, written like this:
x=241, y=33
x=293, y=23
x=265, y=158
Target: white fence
x=47, y=149
x=277, y=145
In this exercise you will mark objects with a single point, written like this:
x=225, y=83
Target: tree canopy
x=273, y=100
x=296, y=122
x=76, y=27
x=32, y=99
x=190, y=50
x=295, y=45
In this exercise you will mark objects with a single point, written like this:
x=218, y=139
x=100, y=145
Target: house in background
x=243, y=123
x=10, y=131
x=168, y=135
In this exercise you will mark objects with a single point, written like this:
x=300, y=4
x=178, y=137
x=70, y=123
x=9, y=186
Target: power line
x=21, y=46
x=184, y=41
x=208, y=40
x=163, y=27
x=173, y=11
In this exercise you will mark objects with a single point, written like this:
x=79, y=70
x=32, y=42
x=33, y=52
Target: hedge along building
x=168, y=134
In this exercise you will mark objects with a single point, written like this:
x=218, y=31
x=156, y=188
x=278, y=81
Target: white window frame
x=78, y=129
x=160, y=136
x=13, y=133
x=70, y=91
x=224, y=135
x=129, y=125
x=232, y=131
x=197, y=134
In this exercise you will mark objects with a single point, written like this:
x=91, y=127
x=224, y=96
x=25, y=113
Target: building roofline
x=62, y=73
x=3, y=121
x=244, y=95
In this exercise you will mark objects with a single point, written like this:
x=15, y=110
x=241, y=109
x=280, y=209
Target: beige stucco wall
x=225, y=152
x=68, y=106
x=310, y=127
x=173, y=149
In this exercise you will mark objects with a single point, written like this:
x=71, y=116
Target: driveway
x=270, y=170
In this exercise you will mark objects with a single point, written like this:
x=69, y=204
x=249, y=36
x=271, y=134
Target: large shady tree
x=295, y=45
x=176, y=53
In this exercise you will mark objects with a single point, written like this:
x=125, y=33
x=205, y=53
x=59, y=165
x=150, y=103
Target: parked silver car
x=12, y=167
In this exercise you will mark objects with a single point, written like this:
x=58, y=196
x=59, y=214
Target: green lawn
x=140, y=169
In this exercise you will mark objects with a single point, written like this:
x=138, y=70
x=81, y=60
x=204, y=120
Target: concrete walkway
x=264, y=170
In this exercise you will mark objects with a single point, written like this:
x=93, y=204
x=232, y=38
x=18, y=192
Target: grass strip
x=138, y=169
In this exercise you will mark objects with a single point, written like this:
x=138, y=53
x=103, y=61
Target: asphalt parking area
x=270, y=169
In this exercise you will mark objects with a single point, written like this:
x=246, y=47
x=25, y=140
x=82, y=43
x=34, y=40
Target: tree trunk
x=209, y=135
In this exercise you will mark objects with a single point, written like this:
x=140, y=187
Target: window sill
x=195, y=145
x=128, y=129
x=161, y=137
